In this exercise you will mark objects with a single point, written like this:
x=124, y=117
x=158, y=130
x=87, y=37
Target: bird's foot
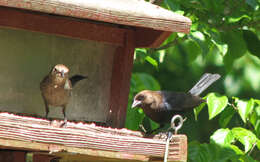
x=141, y=126
x=163, y=135
x=144, y=132
x=64, y=124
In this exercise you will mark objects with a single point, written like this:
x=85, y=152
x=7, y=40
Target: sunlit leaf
x=216, y=104
x=140, y=51
x=258, y=144
x=244, y=108
x=198, y=109
x=152, y=61
x=246, y=137
x=222, y=137
x=236, y=149
x=238, y=18
x=257, y=101
x=140, y=54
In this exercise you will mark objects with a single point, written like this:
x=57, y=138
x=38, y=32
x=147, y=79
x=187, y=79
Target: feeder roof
x=125, y=12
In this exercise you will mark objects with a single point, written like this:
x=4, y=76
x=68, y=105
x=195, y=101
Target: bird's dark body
x=160, y=106
x=170, y=104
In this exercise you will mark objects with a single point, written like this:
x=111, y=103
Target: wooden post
x=120, y=83
x=12, y=156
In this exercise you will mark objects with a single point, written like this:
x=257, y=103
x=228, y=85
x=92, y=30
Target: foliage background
x=224, y=39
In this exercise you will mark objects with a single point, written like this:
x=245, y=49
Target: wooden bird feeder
x=94, y=38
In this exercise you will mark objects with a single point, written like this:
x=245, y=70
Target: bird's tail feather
x=205, y=81
x=75, y=78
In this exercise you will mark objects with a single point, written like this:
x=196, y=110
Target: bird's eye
x=140, y=98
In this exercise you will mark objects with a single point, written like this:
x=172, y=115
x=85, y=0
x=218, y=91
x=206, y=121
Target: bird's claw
x=64, y=124
x=141, y=126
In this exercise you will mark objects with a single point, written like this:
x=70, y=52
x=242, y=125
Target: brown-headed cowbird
x=160, y=106
x=56, y=88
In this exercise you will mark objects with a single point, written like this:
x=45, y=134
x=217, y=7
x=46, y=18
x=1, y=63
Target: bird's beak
x=136, y=103
x=62, y=74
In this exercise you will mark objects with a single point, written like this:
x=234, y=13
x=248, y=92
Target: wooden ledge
x=126, y=12
x=89, y=140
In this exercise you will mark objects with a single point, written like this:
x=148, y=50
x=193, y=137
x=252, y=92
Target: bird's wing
x=179, y=101
x=75, y=78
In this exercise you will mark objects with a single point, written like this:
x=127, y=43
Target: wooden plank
x=130, y=12
x=69, y=27
x=146, y=37
x=33, y=134
x=52, y=150
x=120, y=83
x=12, y=156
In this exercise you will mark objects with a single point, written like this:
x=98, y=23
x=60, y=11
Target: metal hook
x=175, y=128
x=179, y=125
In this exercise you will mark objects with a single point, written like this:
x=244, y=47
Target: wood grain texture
x=120, y=83
x=68, y=27
x=130, y=12
x=33, y=134
x=146, y=37
x=12, y=156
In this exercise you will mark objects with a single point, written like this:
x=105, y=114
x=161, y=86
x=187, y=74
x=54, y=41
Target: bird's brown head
x=145, y=97
x=60, y=71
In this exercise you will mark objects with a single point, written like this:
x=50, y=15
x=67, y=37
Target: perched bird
x=56, y=88
x=160, y=106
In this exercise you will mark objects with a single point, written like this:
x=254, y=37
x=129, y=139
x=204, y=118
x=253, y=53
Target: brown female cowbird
x=56, y=88
x=160, y=106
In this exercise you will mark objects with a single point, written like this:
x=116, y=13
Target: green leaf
x=152, y=61
x=255, y=119
x=201, y=40
x=198, y=109
x=226, y=116
x=258, y=144
x=216, y=39
x=246, y=137
x=252, y=42
x=193, y=151
x=253, y=4
x=139, y=51
x=234, y=39
x=216, y=104
x=246, y=158
x=223, y=137
x=172, y=5
x=192, y=49
x=140, y=54
x=237, y=149
x=244, y=108
x=234, y=19
x=257, y=101
x=142, y=81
